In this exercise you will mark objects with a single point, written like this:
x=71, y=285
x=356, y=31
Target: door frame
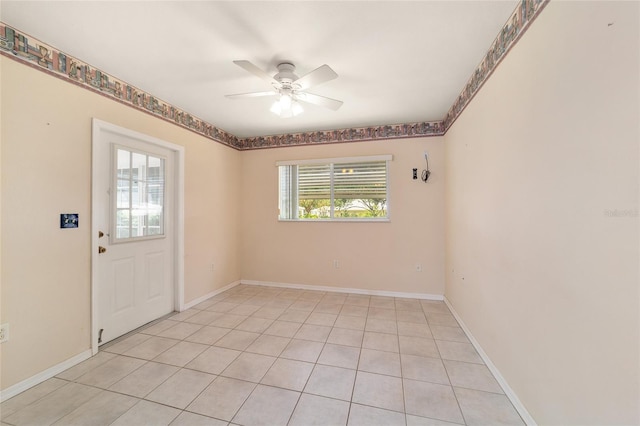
x=98, y=127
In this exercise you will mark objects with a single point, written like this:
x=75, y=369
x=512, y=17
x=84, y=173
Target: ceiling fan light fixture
x=296, y=108
x=276, y=108
x=286, y=107
x=290, y=88
x=285, y=102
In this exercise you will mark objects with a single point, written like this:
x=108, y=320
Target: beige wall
x=372, y=256
x=46, y=170
x=545, y=279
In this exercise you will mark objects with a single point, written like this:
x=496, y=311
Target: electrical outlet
x=336, y=264
x=213, y=267
x=418, y=267
x=4, y=333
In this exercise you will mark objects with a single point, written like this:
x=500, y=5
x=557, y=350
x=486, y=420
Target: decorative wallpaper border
x=44, y=57
x=39, y=55
x=516, y=25
x=358, y=134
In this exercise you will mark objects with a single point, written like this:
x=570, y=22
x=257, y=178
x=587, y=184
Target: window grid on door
x=139, y=195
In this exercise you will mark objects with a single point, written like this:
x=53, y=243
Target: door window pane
x=139, y=195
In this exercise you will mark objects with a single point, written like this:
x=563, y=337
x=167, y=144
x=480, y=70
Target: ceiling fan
x=289, y=88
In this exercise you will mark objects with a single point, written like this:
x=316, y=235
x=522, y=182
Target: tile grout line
x=355, y=379
x=305, y=384
x=513, y=399
x=264, y=299
x=446, y=372
x=404, y=399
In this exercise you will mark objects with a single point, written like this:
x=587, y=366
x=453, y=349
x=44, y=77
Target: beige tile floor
x=271, y=356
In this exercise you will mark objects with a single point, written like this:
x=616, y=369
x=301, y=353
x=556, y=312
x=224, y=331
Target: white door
x=134, y=217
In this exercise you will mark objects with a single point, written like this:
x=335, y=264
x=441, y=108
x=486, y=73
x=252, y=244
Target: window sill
x=386, y=220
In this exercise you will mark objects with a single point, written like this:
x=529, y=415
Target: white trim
x=179, y=229
x=337, y=160
x=518, y=405
x=352, y=220
x=22, y=386
x=388, y=183
x=424, y=296
x=179, y=151
x=201, y=299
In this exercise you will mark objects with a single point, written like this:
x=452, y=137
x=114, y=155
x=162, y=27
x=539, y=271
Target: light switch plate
x=69, y=220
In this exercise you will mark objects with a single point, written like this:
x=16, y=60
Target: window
x=139, y=195
x=334, y=189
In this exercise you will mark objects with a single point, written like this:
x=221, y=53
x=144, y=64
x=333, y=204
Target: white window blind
x=314, y=181
x=360, y=180
x=345, y=188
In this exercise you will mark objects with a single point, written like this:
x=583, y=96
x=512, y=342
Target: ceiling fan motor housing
x=286, y=74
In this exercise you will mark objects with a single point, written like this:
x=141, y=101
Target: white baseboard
x=519, y=406
x=424, y=296
x=22, y=386
x=58, y=368
x=201, y=299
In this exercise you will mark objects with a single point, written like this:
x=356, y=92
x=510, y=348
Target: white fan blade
x=332, y=104
x=251, y=95
x=319, y=75
x=248, y=66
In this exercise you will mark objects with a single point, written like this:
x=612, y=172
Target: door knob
x=100, y=234
x=101, y=249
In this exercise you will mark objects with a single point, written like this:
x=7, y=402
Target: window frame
x=387, y=158
x=113, y=237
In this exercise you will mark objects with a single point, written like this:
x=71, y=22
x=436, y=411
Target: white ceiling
x=397, y=61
